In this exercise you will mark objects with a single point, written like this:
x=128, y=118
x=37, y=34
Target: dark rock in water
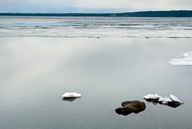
x=123, y=111
x=70, y=96
x=134, y=105
x=174, y=104
x=70, y=99
x=131, y=106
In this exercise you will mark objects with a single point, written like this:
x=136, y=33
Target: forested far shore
x=173, y=13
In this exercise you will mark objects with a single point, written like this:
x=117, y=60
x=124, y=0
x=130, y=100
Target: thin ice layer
x=184, y=59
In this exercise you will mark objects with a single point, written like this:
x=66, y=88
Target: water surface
x=95, y=27
x=35, y=72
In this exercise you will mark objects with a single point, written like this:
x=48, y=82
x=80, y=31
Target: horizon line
x=92, y=12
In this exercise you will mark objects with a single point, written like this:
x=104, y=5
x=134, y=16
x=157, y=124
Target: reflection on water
x=35, y=72
x=69, y=99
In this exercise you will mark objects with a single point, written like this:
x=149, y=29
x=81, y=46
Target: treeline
x=174, y=13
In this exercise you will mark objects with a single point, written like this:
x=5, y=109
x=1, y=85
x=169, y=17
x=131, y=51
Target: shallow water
x=35, y=72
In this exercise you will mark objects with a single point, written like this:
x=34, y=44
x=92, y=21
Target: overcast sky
x=91, y=6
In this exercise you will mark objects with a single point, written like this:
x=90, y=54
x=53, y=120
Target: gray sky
x=91, y=6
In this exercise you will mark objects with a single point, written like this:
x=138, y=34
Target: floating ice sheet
x=86, y=27
x=36, y=24
x=183, y=59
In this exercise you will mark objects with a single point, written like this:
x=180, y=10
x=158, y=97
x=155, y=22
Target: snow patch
x=71, y=95
x=183, y=59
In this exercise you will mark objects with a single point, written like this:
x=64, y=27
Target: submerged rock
x=130, y=106
x=71, y=96
x=171, y=101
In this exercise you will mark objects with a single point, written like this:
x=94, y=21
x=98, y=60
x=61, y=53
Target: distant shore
x=172, y=13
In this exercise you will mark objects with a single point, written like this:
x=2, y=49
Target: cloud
x=37, y=6
x=136, y=4
x=94, y=5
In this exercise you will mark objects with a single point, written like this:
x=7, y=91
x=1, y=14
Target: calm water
x=36, y=71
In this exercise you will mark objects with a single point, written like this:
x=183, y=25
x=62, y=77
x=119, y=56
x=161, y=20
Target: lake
x=107, y=70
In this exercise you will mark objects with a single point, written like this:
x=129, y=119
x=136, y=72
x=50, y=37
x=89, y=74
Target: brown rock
x=131, y=106
x=174, y=104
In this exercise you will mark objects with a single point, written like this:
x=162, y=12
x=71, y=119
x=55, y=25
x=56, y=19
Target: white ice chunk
x=183, y=55
x=71, y=95
x=174, y=98
x=151, y=96
x=164, y=100
x=184, y=59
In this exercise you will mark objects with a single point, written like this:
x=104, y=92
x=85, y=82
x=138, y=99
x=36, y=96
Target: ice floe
x=174, y=98
x=172, y=101
x=164, y=100
x=183, y=59
x=70, y=96
x=151, y=97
